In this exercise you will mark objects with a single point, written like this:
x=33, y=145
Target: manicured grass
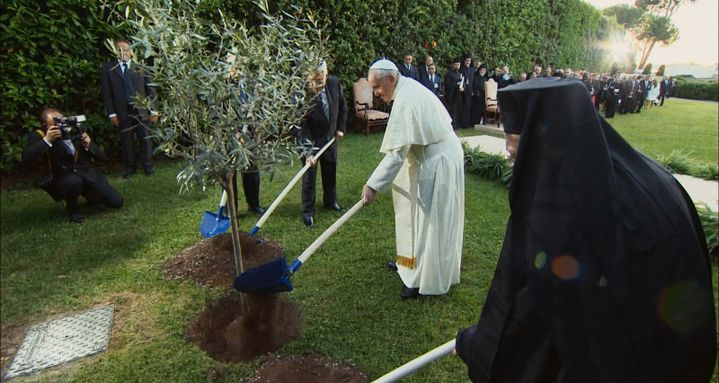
x=686, y=125
x=350, y=302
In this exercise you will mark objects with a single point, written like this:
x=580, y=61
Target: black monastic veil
x=604, y=274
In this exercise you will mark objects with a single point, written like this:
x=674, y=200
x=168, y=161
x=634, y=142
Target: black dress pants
x=131, y=127
x=329, y=184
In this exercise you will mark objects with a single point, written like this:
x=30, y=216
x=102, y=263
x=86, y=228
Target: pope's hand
x=368, y=195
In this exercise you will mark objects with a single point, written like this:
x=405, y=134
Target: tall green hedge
x=54, y=49
x=697, y=90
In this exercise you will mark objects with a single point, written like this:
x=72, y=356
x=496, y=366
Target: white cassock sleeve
x=388, y=168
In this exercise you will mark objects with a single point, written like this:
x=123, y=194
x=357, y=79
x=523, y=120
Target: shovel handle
x=286, y=190
x=417, y=363
x=223, y=202
x=328, y=233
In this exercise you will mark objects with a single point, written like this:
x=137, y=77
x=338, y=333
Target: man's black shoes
x=335, y=206
x=407, y=293
x=76, y=218
x=257, y=210
x=149, y=171
x=128, y=174
x=308, y=219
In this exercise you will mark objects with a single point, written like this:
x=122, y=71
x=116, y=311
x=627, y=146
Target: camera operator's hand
x=85, y=141
x=53, y=133
x=115, y=121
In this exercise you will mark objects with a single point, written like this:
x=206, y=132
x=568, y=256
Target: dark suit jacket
x=64, y=163
x=316, y=128
x=412, y=72
x=422, y=72
x=436, y=86
x=113, y=91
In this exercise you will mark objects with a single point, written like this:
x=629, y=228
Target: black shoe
x=149, y=171
x=407, y=293
x=257, y=209
x=391, y=266
x=76, y=217
x=308, y=220
x=128, y=174
x=335, y=206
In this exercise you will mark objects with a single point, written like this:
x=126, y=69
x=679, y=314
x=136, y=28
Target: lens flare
x=565, y=267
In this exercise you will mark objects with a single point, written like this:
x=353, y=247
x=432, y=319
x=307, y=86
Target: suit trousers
x=130, y=127
x=251, y=187
x=329, y=184
x=72, y=186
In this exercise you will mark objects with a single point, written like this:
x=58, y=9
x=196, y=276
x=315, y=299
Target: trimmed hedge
x=54, y=49
x=697, y=90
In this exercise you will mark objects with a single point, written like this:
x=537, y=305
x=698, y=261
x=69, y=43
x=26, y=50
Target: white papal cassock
x=424, y=164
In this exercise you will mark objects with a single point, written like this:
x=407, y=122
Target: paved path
x=701, y=191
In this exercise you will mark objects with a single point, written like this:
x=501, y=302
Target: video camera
x=70, y=126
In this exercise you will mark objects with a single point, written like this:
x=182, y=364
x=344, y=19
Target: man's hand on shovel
x=312, y=160
x=368, y=195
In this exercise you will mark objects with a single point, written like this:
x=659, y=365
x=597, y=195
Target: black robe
x=478, y=98
x=453, y=97
x=466, y=114
x=604, y=274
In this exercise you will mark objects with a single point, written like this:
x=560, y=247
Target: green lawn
x=351, y=304
x=686, y=125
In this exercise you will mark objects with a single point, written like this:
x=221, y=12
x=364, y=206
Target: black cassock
x=604, y=274
x=453, y=97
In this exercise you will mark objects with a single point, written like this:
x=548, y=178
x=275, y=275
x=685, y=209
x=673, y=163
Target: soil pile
x=209, y=262
x=307, y=369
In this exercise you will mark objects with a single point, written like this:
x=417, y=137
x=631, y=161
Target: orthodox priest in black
x=453, y=86
x=478, y=94
x=604, y=275
x=468, y=70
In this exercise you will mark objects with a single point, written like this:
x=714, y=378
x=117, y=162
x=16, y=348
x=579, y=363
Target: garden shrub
x=697, y=90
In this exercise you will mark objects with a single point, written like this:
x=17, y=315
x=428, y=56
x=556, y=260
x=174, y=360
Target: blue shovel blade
x=212, y=224
x=271, y=277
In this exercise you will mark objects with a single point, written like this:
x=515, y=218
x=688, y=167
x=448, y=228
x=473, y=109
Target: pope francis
x=423, y=162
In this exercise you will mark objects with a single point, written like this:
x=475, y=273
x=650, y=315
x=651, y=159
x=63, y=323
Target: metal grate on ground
x=62, y=340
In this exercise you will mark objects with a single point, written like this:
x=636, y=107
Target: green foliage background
x=54, y=49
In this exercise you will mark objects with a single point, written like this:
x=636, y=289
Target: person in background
x=70, y=157
x=453, y=88
x=434, y=81
x=124, y=84
x=407, y=69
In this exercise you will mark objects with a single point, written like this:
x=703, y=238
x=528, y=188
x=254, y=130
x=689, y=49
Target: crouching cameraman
x=69, y=152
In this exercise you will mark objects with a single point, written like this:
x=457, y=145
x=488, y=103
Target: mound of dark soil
x=209, y=262
x=307, y=369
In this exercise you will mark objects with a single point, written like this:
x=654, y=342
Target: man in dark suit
x=433, y=81
x=407, y=69
x=325, y=120
x=69, y=156
x=423, y=70
x=663, y=86
x=123, y=83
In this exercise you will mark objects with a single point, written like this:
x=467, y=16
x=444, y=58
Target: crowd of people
x=462, y=88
